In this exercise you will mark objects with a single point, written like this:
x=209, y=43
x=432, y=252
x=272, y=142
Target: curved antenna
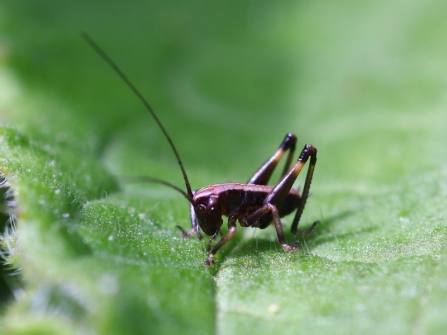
x=158, y=181
x=120, y=73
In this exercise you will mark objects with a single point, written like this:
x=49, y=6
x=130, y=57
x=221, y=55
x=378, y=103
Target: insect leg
x=310, y=171
x=281, y=190
x=277, y=195
x=211, y=240
x=195, y=225
x=268, y=207
x=262, y=176
x=232, y=228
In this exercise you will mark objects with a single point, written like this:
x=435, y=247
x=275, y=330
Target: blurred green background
x=365, y=83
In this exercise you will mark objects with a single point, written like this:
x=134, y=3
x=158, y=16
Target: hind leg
x=262, y=176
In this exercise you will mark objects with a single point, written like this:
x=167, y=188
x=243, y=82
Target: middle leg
x=266, y=208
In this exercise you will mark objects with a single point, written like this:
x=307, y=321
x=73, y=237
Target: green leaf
x=363, y=82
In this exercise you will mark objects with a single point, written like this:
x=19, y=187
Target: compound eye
x=201, y=208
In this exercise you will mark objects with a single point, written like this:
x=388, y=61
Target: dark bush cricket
x=253, y=204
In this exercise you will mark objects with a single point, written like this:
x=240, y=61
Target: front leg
x=232, y=228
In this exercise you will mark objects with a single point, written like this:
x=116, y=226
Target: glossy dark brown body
x=242, y=200
x=253, y=204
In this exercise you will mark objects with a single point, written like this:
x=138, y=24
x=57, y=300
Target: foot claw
x=183, y=231
x=309, y=231
x=288, y=248
x=209, y=261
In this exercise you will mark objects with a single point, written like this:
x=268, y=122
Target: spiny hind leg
x=262, y=176
x=280, y=191
x=308, y=152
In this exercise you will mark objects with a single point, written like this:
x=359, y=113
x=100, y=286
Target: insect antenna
x=157, y=181
x=188, y=194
